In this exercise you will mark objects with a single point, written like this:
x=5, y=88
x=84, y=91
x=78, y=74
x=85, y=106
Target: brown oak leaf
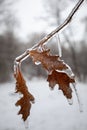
x=25, y=101
x=63, y=80
x=48, y=61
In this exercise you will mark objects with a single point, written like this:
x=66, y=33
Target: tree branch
x=67, y=20
x=50, y=35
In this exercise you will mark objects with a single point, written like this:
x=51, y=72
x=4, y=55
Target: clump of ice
x=37, y=63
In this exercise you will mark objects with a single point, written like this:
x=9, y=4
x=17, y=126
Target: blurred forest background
x=11, y=46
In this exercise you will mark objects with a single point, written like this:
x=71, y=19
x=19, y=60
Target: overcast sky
x=30, y=11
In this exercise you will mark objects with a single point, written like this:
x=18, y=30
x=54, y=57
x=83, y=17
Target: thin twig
x=50, y=35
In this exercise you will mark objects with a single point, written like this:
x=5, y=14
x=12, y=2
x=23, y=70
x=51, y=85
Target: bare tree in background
x=7, y=14
x=85, y=30
x=8, y=41
x=5, y=6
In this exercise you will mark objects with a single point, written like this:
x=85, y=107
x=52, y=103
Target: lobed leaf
x=49, y=62
x=25, y=101
x=63, y=80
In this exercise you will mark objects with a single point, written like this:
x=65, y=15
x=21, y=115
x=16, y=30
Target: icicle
x=80, y=105
x=70, y=101
x=15, y=67
x=26, y=123
x=59, y=46
x=40, y=49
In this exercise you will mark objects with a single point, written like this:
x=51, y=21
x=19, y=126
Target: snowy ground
x=51, y=110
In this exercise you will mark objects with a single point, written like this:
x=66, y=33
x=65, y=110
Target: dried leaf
x=63, y=80
x=55, y=66
x=25, y=101
x=49, y=62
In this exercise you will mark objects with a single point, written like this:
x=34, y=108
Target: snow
x=51, y=110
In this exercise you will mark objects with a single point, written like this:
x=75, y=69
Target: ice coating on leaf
x=16, y=67
x=48, y=61
x=68, y=71
x=58, y=71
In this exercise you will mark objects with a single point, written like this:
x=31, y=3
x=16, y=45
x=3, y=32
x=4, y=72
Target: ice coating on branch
x=23, y=56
